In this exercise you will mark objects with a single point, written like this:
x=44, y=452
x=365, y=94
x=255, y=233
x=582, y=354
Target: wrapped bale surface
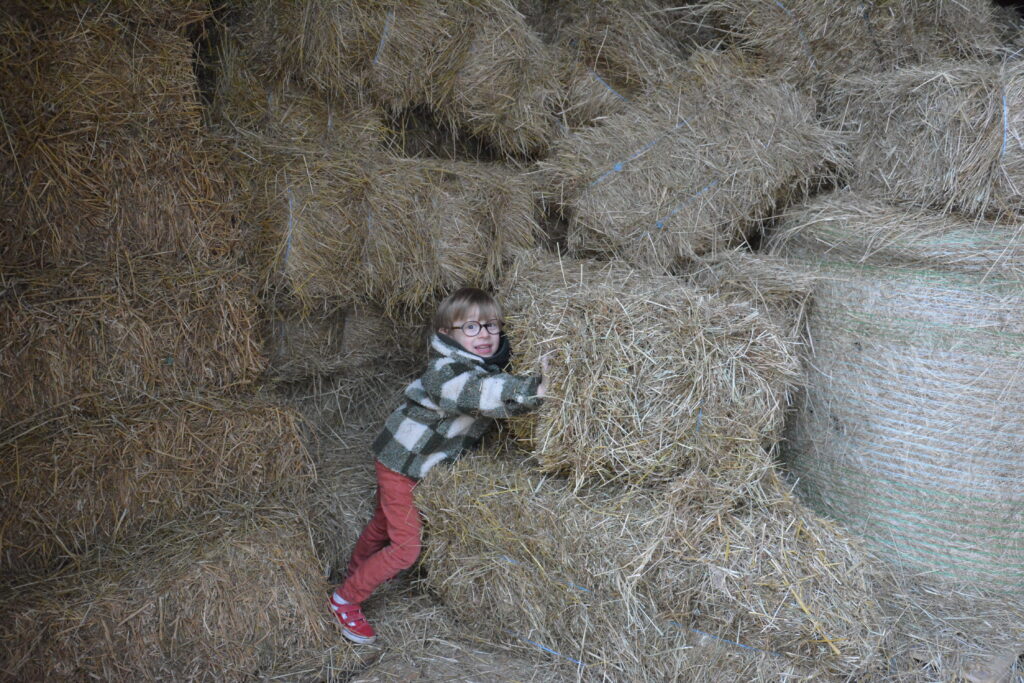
x=809, y=42
x=688, y=173
x=652, y=377
x=103, y=124
x=939, y=135
x=74, y=337
x=228, y=597
x=907, y=432
x=76, y=482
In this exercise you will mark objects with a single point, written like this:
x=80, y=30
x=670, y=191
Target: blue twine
x=619, y=166
x=605, y=84
x=384, y=34
x=800, y=32
x=1002, y=150
x=661, y=222
x=546, y=648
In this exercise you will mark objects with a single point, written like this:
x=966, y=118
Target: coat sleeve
x=459, y=388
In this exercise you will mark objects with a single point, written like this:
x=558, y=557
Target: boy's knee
x=406, y=554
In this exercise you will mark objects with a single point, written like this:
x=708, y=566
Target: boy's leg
x=373, y=538
x=403, y=529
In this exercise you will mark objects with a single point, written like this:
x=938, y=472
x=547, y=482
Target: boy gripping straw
x=445, y=411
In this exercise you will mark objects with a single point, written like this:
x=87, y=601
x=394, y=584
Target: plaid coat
x=449, y=407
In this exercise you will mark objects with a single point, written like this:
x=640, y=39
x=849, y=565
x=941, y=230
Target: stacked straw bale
x=285, y=112
x=911, y=428
x=690, y=173
x=105, y=149
x=618, y=44
x=233, y=596
x=943, y=135
x=626, y=581
x=644, y=585
x=143, y=328
x=396, y=232
x=76, y=482
x=653, y=377
x=475, y=64
x=810, y=42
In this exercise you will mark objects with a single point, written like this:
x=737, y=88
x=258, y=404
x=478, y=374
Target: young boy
x=445, y=411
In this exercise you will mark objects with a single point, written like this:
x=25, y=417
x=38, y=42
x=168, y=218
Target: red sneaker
x=354, y=625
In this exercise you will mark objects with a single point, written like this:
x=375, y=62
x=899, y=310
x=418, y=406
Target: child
x=445, y=411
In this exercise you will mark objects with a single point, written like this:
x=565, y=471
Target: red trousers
x=390, y=542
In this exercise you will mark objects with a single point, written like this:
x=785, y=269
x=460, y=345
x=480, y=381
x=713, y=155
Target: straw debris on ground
x=652, y=377
x=944, y=135
x=691, y=172
x=141, y=328
x=73, y=483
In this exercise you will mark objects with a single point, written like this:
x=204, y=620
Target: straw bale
x=477, y=64
x=142, y=328
x=690, y=173
x=285, y=111
x=505, y=86
x=619, y=43
x=175, y=15
x=812, y=43
x=357, y=396
x=395, y=232
x=234, y=595
x=651, y=377
x=907, y=431
x=622, y=582
x=105, y=149
x=940, y=135
x=766, y=281
x=637, y=586
x=321, y=343
x=79, y=481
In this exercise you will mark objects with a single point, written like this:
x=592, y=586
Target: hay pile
x=76, y=336
x=475, y=64
x=943, y=135
x=392, y=231
x=104, y=150
x=232, y=596
x=645, y=585
x=76, y=482
x=653, y=377
x=908, y=432
x=811, y=43
x=691, y=172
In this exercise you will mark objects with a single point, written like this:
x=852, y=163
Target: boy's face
x=484, y=343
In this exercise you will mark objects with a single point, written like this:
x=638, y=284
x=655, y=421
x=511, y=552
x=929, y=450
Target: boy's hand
x=542, y=388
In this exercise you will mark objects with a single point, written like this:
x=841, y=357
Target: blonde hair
x=460, y=303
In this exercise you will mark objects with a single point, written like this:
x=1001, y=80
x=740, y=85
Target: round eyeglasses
x=473, y=327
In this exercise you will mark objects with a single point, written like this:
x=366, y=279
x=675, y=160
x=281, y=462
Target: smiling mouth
x=483, y=349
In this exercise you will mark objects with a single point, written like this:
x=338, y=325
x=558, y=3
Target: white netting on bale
x=911, y=428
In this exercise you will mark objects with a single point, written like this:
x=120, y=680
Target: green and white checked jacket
x=448, y=409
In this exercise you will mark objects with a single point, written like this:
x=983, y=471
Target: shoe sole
x=353, y=637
